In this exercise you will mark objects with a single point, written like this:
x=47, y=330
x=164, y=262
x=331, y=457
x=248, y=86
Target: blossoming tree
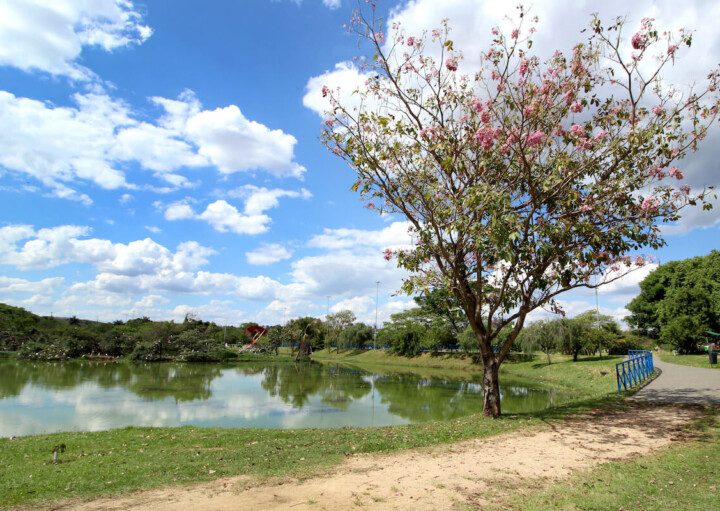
x=524, y=178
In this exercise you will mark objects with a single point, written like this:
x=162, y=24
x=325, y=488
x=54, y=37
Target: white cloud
x=224, y=217
x=9, y=285
x=23, y=247
x=268, y=253
x=628, y=285
x=343, y=81
x=332, y=4
x=179, y=211
x=63, y=145
x=49, y=35
x=234, y=143
x=394, y=236
x=155, y=148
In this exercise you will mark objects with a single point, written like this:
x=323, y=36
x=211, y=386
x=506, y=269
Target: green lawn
x=684, y=476
x=687, y=360
x=130, y=459
x=589, y=378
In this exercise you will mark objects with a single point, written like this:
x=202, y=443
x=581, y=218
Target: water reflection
x=38, y=397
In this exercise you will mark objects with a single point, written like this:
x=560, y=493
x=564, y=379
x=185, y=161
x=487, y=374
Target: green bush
x=628, y=341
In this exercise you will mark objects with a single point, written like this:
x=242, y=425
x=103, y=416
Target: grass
x=454, y=361
x=687, y=360
x=682, y=477
x=589, y=378
x=129, y=459
x=123, y=460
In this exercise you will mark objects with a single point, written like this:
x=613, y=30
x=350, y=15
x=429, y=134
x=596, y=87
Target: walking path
x=682, y=385
x=465, y=474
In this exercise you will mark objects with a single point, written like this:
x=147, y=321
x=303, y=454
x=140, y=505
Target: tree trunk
x=491, y=387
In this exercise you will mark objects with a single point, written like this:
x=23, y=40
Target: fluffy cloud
x=49, y=35
x=234, y=143
x=25, y=248
x=268, y=253
x=90, y=142
x=395, y=236
x=332, y=4
x=224, y=217
x=344, y=79
x=9, y=285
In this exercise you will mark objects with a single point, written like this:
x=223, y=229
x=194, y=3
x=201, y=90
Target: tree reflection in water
x=55, y=396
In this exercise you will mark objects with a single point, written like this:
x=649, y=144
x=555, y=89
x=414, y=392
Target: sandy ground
x=457, y=476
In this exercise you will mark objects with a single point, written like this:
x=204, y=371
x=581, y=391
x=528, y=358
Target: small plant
x=55, y=450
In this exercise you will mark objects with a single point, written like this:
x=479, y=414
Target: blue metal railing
x=635, y=370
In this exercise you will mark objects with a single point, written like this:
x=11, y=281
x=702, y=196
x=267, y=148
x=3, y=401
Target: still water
x=44, y=397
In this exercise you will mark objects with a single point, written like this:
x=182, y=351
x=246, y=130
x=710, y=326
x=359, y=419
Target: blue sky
x=159, y=158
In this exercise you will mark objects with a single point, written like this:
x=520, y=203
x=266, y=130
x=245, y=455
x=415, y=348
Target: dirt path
x=443, y=478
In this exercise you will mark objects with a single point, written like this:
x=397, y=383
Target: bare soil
x=458, y=476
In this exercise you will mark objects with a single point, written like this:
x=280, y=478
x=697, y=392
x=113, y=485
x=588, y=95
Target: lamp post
x=377, y=296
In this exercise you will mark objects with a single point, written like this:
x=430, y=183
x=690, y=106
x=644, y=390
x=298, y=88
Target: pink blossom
x=676, y=173
x=495, y=31
x=495, y=75
x=387, y=254
x=370, y=205
x=639, y=261
x=576, y=107
x=638, y=41
x=578, y=130
x=601, y=134
x=657, y=110
x=485, y=116
x=650, y=203
x=329, y=123
x=336, y=151
x=535, y=138
x=569, y=96
x=685, y=189
x=486, y=137
x=524, y=64
x=585, y=208
x=477, y=105
x=451, y=64
x=657, y=172
x=411, y=41
x=515, y=33
x=379, y=37
x=672, y=49
x=325, y=90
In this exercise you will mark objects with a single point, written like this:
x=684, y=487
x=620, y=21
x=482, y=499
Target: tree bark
x=491, y=387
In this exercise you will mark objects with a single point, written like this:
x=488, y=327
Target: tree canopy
x=679, y=302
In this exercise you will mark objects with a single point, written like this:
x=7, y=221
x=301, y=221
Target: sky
x=163, y=158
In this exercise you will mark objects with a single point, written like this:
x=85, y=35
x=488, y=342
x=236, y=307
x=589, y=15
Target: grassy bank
x=131, y=459
x=687, y=360
x=139, y=458
x=682, y=477
x=588, y=378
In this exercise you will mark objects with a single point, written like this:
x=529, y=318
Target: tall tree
x=524, y=178
x=336, y=324
x=679, y=302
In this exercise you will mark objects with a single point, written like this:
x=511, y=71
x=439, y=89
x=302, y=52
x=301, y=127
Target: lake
x=45, y=397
